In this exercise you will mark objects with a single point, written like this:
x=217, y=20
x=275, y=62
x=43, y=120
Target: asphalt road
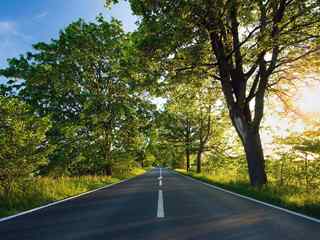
x=135, y=210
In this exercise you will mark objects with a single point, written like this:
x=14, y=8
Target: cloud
x=7, y=27
x=41, y=15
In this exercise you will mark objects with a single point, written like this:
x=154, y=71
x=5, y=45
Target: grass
x=290, y=197
x=43, y=190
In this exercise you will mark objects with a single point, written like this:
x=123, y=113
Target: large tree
x=249, y=42
x=87, y=83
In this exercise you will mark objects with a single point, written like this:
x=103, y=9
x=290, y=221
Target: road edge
x=249, y=198
x=4, y=219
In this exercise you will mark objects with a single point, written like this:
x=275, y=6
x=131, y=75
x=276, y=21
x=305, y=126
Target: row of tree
x=242, y=44
x=88, y=96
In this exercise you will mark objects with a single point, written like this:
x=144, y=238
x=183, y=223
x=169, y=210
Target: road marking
x=160, y=178
x=160, y=212
x=61, y=201
x=252, y=199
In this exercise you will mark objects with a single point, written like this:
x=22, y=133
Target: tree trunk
x=251, y=141
x=199, y=155
x=187, y=142
x=108, y=157
x=255, y=158
x=188, y=158
x=281, y=172
x=306, y=171
x=109, y=170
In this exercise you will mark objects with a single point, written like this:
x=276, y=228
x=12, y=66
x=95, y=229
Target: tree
x=249, y=42
x=207, y=119
x=307, y=146
x=176, y=129
x=87, y=83
x=191, y=117
x=23, y=142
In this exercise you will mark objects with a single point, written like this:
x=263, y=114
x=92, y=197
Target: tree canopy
x=86, y=82
x=245, y=42
x=92, y=95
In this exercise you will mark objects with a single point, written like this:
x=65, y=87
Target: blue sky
x=25, y=22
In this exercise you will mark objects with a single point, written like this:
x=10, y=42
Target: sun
x=308, y=101
x=303, y=114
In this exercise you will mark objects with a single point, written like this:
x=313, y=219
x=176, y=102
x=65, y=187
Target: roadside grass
x=42, y=190
x=290, y=197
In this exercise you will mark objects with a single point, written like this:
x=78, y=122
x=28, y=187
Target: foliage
x=300, y=163
x=191, y=119
x=82, y=104
x=23, y=143
x=85, y=81
x=241, y=44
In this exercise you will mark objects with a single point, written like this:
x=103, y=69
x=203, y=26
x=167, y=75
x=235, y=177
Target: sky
x=25, y=22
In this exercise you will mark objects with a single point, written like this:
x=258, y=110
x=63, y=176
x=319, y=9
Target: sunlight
x=304, y=114
x=308, y=100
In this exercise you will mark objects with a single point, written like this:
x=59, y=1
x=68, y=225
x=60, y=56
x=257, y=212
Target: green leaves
x=23, y=141
x=87, y=82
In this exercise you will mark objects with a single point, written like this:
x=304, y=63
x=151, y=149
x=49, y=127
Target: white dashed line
x=160, y=212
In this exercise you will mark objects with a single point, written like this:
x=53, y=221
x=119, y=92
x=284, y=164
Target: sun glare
x=306, y=104
x=308, y=100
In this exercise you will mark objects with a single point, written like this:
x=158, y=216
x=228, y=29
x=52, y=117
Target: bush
x=23, y=144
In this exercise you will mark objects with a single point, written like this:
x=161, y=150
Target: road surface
x=140, y=208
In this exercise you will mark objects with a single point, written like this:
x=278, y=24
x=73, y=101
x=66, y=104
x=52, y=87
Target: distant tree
x=190, y=118
x=306, y=149
x=177, y=130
